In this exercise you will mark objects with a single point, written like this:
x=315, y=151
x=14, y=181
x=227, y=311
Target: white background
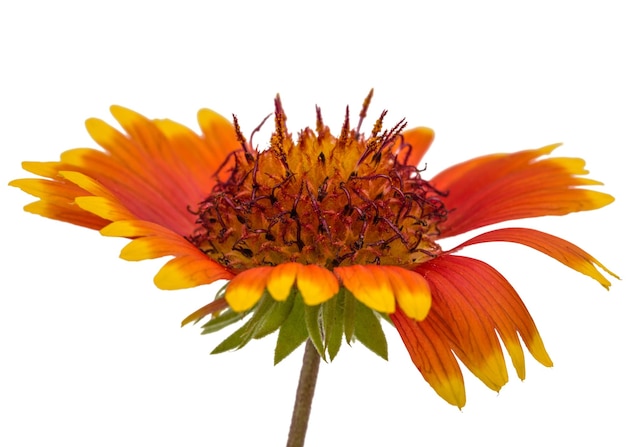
x=91, y=353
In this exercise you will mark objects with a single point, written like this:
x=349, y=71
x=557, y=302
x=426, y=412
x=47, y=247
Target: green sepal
x=386, y=318
x=236, y=340
x=226, y=318
x=332, y=323
x=293, y=331
x=249, y=330
x=314, y=327
x=275, y=316
x=325, y=324
x=368, y=330
x=349, y=314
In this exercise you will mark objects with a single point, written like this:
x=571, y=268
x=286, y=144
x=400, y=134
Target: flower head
x=319, y=235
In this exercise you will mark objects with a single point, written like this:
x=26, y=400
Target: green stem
x=304, y=396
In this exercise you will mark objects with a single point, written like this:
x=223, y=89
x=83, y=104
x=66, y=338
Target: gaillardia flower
x=319, y=236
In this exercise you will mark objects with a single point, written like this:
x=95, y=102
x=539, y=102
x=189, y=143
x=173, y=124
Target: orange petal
x=87, y=183
x=370, y=285
x=151, y=247
x=220, y=138
x=57, y=202
x=48, y=169
x=49, y=190
x=187, y=271
x=501, y=302
x=414, y=144
x=64, y=213
x=150, y=241
x=471, y=328
x=160, y=167
x=316, y=284
x=281, y=279
x=501, y=187
x=472, y=305
x=432, y=356
x=171, y=151
x=411, y=291
x=191, y=160
x=557, y=248
x=137, y=170
x=107, y=209
x=190, y=267
x=142, y=197
x=165, y=162
x=246, y=289
x=116, y=144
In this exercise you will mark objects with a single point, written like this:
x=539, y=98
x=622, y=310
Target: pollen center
x=322, y=200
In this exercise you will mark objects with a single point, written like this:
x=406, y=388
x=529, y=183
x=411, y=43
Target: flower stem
x=304, y=396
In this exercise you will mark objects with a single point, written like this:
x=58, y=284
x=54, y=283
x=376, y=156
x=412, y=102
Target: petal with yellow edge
x=49, y=190
x=432, y=356
x=491, y=295
x=472, y=305
x=49, y=169
x=136, y=190
x=555, y=247
x=87, y=183
x=316, y=284
x=108, y=209
x=189, y=268
x=370, y=285
x=220, y=139
x=281, y=280
x=247, y=288
x=171, y=155
x=57, y=202
x=468, y=326
x=411, y=291
x=64, y=213
x=500, y=187
x=165, y=241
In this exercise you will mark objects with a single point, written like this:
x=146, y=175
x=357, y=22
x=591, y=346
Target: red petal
x=432, y=355
x=557, y=248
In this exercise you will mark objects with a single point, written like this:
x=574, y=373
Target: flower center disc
x=321, y=200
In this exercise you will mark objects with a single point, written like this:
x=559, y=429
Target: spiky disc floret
x=324, y=200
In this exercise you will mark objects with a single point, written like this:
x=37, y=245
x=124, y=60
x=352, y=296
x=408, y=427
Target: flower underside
x=323, y=200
